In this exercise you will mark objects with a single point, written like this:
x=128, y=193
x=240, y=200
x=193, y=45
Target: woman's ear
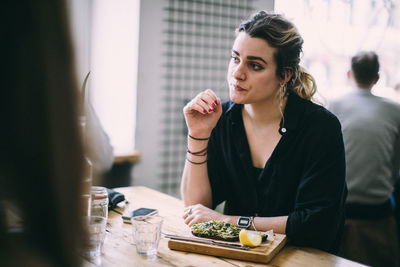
x=288, y=76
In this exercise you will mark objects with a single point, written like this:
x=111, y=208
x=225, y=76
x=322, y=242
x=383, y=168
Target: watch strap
x=252, y=223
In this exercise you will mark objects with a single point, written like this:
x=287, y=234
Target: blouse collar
x=291, y=116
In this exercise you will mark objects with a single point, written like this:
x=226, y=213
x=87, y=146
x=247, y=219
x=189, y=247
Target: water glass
x=96, y=226
x=99, y=205
x=146, y=234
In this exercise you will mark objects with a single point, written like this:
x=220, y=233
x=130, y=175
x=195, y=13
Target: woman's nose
x=239, y=73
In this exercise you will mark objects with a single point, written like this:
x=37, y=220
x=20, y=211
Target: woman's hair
x=41, y=154
x=365, y=67
x=282, y=35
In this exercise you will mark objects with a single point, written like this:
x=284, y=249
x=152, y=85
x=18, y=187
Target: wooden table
x=119, y=249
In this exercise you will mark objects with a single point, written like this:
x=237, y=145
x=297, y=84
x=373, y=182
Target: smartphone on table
x=144, y=212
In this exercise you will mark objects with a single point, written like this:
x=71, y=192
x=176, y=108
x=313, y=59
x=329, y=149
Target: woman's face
x=252, y=71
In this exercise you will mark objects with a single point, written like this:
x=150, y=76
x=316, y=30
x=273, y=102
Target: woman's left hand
x=198, y=213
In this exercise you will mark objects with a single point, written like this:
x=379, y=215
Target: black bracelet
x=196, y=163
x=199, y=139
x=202, y=152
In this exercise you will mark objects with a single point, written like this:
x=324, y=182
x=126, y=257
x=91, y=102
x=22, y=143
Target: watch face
x=244, y=222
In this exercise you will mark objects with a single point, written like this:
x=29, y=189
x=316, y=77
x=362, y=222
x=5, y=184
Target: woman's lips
x=238, y=88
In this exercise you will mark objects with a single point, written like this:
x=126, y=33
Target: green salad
x=216, y=229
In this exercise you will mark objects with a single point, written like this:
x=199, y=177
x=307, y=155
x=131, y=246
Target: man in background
x=371, y=132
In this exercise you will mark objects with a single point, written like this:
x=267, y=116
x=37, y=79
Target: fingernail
x=204, y=111
x=210, y=110
x=216, y=102
x=213, y=105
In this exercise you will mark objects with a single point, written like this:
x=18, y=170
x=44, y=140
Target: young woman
x=274, y=157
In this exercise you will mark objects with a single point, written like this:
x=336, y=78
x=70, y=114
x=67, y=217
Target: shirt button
x=283, y=130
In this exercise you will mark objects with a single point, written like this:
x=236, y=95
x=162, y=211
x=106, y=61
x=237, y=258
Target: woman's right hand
x=202, y=114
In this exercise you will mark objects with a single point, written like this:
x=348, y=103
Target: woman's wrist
x=196, y=150
x=199, y=135
x=199, y=138
x=230, y=219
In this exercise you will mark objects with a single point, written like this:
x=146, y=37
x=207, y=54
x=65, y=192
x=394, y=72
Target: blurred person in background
x=275, y=157
x=397, y=91
x=41, y=162
x=396, y=193
x=97, y=145
x=371, y=132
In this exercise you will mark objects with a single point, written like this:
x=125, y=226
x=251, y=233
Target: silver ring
x=190, y=211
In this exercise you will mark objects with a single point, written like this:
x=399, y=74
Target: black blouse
x=304, y=178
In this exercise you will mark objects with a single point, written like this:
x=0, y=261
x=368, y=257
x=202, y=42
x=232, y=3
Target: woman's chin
x=236, y=102
x=236, y=98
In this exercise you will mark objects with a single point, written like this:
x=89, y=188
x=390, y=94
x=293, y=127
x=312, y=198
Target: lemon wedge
x=249, y=239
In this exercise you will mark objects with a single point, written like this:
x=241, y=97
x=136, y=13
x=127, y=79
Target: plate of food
x=217, y=230
x=220, y=230
x=243, y=244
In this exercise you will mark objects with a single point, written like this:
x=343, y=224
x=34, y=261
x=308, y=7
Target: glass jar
x=99, y=205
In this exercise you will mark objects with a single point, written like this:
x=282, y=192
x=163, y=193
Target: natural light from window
x=334, y=30
x=114, y=53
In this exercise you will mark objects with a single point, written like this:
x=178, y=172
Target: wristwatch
x=244, y=222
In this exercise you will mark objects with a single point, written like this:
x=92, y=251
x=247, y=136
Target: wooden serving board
x=263, y=253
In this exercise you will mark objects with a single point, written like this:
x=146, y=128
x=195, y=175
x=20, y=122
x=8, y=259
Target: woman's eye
x=255, y=66
x=235, y=59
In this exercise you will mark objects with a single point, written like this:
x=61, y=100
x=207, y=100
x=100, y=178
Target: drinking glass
x=99, y=205
x=96, y=226
x=146, y=234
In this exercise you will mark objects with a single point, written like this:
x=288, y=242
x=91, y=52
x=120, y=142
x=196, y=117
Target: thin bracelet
x=199, y=139
x=196, y=163
x=252, y=223
x=202, y=152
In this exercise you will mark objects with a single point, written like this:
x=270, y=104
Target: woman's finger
x=192, y=220
x=188, y=211
x=212, y=95
x=199, y=106
x=188, y=219
x=209, y=101
x=193, y=106
x=203, y=105
x=185, y=214
x=204, y=102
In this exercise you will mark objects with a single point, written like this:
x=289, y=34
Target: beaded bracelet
x=196, y=163
x=202, y=152
x=199, y=139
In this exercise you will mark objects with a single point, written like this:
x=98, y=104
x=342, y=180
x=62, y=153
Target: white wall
x=114, y=53
x=81, y=21
x=149, y=93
